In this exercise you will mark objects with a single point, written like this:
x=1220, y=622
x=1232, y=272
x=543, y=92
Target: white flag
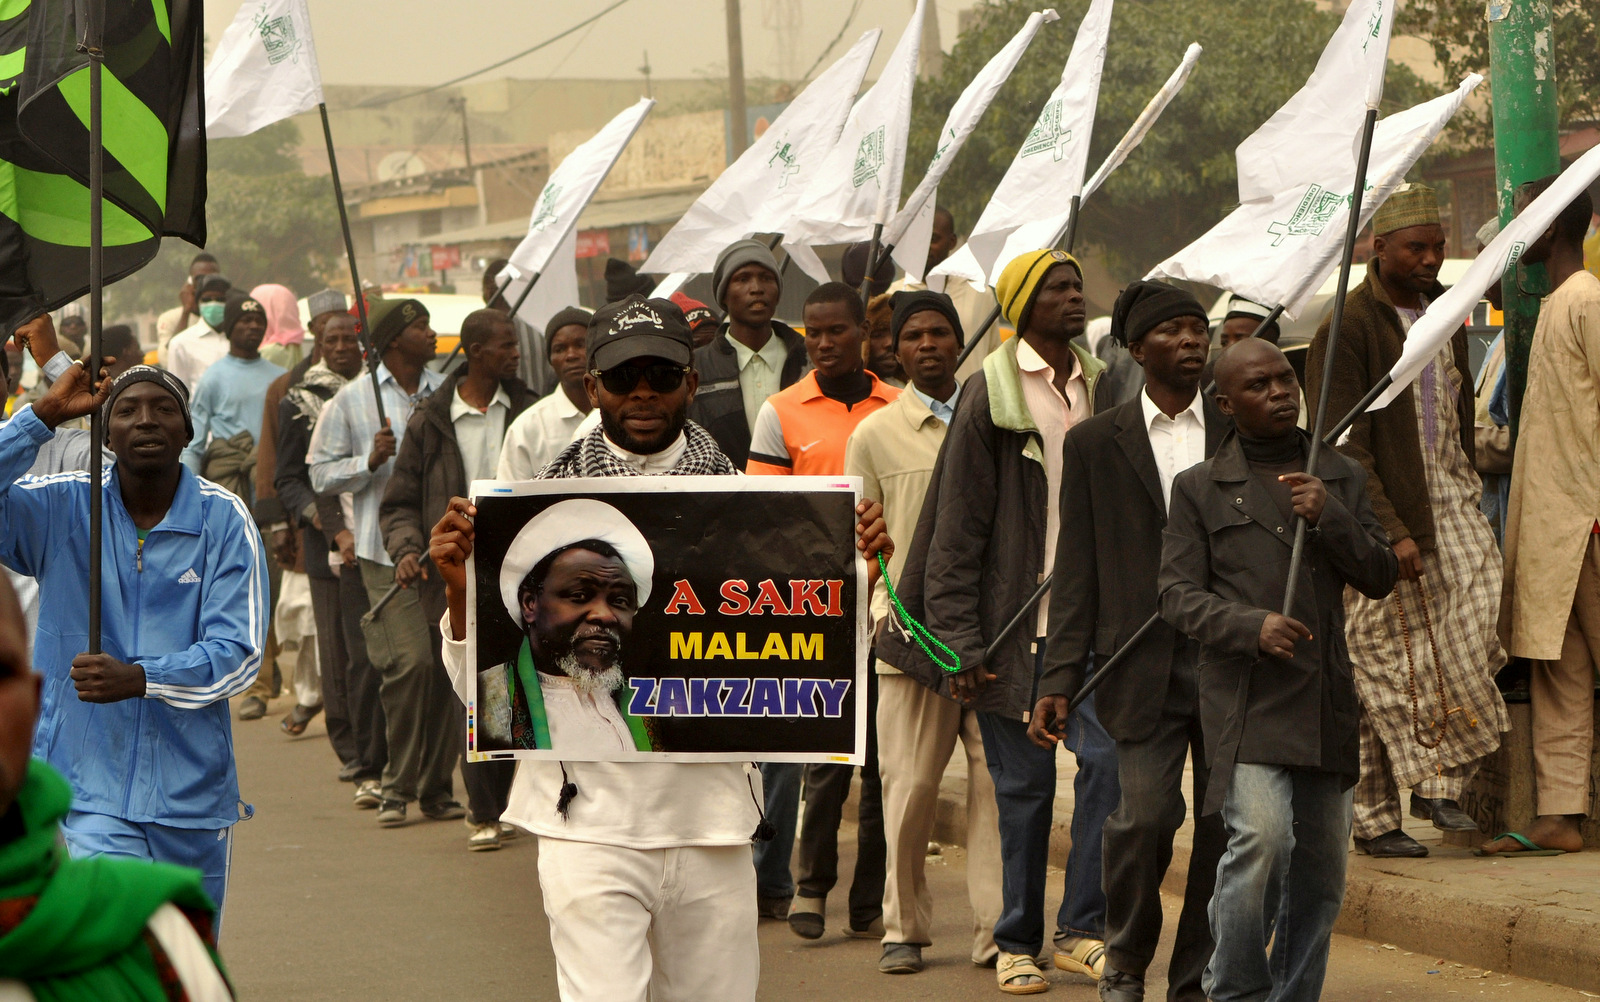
x=858, y=183
x=1325, y=115
x=556, y=289
x=760, y=191
x=570, y=187
x=264, y=69
x=1278, y=251
x=1036, y=193
x=1430, y=332
x=958, y=125
x=1147, y=118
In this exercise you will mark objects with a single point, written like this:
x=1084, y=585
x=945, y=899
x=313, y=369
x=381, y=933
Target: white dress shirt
x=1178, y=442
x=194, y=350
x=538, y=435
x=1055, y=415
x=478, y=433
x=760, y=373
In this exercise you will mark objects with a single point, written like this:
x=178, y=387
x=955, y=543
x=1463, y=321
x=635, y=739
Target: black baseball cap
x=637, y=327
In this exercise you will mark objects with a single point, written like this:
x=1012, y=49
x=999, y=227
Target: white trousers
x=663, y=925
x=297, y=638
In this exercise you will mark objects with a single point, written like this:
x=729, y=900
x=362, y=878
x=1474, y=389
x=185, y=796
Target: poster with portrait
x=679, y=619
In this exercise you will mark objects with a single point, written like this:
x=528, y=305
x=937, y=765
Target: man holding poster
x=646, y=864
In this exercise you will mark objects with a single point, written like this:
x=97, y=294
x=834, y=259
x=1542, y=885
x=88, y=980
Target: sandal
x=1083, y=956
x=1013, y=971
x=1530, y=847
x=295, y=723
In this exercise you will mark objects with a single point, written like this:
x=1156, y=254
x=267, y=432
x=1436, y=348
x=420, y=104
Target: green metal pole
x=1525, y=148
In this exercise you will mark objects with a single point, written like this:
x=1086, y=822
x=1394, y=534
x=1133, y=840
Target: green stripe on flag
x=11, y=8
x=52, y=209
x=11, y=67
x=130, y=131
x=159, y=8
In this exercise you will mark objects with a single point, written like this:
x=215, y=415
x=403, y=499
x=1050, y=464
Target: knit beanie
x=389, y=317
x=149, y=374
x=236, y=307
x=909, y=304
x=735, y=256
x=1019, y=283
x=569, y=316
x=623, y=281
x=1143, y=305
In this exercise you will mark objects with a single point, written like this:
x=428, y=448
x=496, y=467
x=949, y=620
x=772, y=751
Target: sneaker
x=368, y=794
x=450, y=810
x=392, y=814
x=252, y=708
x=483, y=838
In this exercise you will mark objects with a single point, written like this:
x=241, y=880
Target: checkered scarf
x=589, y=456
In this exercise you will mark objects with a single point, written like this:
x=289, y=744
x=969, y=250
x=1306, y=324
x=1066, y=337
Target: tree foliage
x=267, y=222
x=1459, y=34
x=1182, y=179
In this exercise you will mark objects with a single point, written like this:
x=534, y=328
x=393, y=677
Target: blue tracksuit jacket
x=192, y=609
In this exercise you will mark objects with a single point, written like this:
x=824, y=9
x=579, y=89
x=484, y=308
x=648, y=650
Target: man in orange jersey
x=801, y=431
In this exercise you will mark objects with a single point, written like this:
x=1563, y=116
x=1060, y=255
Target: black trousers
x=827, y=788
x=362, y=705
x=333, y=656
x=1138, y=841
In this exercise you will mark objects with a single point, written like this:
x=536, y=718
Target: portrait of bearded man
x=572, y=580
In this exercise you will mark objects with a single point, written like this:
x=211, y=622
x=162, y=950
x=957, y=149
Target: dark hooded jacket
x=719, y=404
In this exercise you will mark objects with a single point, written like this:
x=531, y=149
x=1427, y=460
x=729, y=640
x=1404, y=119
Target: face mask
x=211, y=313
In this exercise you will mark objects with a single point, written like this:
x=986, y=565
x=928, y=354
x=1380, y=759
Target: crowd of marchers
x=285, y=510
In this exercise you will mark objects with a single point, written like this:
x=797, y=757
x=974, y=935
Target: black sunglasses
x=663, y=377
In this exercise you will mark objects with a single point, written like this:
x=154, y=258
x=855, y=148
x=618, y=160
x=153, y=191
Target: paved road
x=325, y=905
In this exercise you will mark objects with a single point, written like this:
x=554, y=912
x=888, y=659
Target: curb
x=1526, y=936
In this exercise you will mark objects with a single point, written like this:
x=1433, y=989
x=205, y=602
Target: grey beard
x=588, y=682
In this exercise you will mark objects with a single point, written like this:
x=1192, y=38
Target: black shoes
x=772, y=908
x=901, y=958
x=805, y=917
x=1446, y=815
x=1116, y=986
x=1392, y=845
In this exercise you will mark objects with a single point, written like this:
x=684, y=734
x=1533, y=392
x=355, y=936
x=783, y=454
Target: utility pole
x=645, y=69
x=738, y=128
x=1525, y=149
x=460, y=104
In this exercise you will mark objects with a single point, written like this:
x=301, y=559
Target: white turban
x=563, y=524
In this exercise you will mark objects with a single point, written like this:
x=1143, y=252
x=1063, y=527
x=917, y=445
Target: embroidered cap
x=637, y=327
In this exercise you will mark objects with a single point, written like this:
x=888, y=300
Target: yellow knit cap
x=1410, y=205
x=1019, y=282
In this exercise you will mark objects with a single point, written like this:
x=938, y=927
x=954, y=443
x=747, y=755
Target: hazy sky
x=421, y=42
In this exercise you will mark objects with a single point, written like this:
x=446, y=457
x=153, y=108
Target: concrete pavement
x=325, y=905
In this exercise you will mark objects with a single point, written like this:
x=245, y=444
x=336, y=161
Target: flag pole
x=1352, y=230
x=1067, y=233
x=532, y=281
x=1320, y=437
x=93, y=46
x=350, y=255
x=872, y=263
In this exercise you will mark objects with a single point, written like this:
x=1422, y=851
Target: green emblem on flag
x=277, y=36
x=1374, y=24
x=546, y=213
x=784, y=153
x=869, y=158
x=1047, y=135
x=939, y=153
x=1311, y=216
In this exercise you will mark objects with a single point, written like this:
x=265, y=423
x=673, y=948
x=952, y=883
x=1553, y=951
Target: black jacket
x=978, y=551
x=719, y=405
x=428, y=472
x=1107, y=558
x=291, y=478
x=1224, y=565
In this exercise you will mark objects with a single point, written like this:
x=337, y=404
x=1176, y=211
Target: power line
x=379, y=102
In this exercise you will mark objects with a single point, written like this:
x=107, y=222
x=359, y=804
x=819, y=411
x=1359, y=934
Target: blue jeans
x=1025, y=791
x=1288, y=829
x=209, y=850
x=781, y=783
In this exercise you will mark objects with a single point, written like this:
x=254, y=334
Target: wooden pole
x=355, y=278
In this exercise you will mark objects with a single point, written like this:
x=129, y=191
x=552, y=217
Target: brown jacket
x=1385, y=442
